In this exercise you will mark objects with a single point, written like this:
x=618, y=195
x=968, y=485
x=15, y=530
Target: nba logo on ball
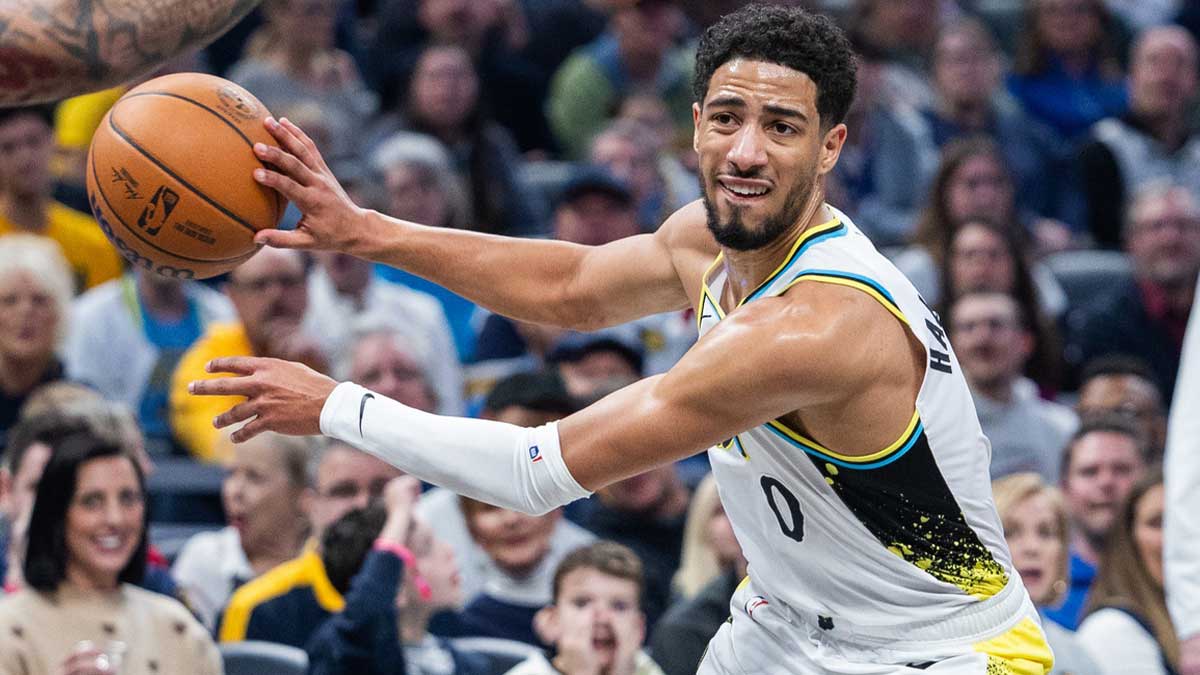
x=535, y=455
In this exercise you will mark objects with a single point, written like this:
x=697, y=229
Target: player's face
x=1148, y=533
x=1104, y=467
x=606, y=604
x=1038, y=545
x=762, y=151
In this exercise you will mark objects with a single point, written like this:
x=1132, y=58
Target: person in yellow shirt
x=270, y=296
x=26, y=205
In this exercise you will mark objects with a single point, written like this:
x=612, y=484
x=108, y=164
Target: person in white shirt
x=265, y=495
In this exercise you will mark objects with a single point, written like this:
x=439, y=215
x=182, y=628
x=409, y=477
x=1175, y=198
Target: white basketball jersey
x=900, y=535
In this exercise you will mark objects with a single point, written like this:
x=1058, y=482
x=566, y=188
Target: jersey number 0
x=792, y=530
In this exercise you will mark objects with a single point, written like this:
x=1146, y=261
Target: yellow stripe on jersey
x=828, y=227
x=1020, y=651
x=812, y=447
x=852, y=281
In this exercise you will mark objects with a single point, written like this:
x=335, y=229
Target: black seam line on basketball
x=157, y=162
x=215, y=113
x=134, y=232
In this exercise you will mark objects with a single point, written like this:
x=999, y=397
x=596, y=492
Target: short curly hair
x=789, y=36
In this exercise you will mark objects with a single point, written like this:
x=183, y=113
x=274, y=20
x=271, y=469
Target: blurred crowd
x=1033, y=167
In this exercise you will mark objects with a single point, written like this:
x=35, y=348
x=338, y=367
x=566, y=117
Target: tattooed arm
x=52, y=49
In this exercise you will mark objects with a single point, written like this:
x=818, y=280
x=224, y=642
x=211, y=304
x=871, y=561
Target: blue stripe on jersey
x=912, y=439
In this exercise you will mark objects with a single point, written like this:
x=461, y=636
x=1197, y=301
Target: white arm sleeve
x=1181, y=538
x=513, y=467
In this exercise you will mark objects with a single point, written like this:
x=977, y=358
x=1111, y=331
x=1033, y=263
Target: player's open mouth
x=741, y=189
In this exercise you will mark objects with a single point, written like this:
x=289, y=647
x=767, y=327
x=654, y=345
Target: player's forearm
x=51, y=49
x=513, y=467
x=527, y=279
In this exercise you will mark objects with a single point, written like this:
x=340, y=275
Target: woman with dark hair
x=1127, y=628
x=1066, y=72
x=443, y=100
x=81, y=613
x=985, y=256
x=973, y=183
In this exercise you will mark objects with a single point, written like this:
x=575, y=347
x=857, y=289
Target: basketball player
x=52, y=49
x=836, y=417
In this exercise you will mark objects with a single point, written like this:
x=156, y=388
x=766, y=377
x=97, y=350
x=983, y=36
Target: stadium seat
x=1082, y=272
x=258, y=658
x=502, y=654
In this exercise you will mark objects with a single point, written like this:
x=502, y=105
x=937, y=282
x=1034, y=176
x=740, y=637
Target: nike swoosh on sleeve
x=362, y=406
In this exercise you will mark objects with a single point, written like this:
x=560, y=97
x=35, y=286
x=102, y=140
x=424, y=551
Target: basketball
x=169, y=175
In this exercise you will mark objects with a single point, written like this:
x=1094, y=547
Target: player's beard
x=732, y=233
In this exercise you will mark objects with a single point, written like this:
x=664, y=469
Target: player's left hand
x=282, y=396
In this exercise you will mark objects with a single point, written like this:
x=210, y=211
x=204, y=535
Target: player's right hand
x=332, y=221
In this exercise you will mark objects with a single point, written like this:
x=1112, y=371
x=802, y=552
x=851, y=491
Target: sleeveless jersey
x=903, y=535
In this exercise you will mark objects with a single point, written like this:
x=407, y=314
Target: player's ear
x=831, y=148
x=696, y=127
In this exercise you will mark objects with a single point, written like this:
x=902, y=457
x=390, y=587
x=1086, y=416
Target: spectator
x=984, y=256
x=1035, y=527
x=265, y=496
x=635, y=53
x=1117, y=385
x=82, y=612
x=1100, y=464
x=345, y=299
x=993, y=341
x=388, y=363
x=1181, y=531
x=1154, y=141
x=630, y=151
x=595, y=623
x=422, y=187
x=712, y=565
x=494, y=34
x=1066, y=72
x=590, y=363
x=26, y=206
x=444, y=101
x=1127, y=628
x=270, y=297
x=291, y=60
x=1146, y=316
x=897, y=35
x=127, y=336
x=647, y=513
x=35, y=294
x=287, y=603
x=968, y=99
x=973, y=183
x=395, y=574
x=54, y=412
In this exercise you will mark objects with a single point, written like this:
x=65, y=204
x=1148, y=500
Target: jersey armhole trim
x=872, y=461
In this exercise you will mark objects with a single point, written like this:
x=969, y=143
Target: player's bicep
x=748, y=370
x=625, y=280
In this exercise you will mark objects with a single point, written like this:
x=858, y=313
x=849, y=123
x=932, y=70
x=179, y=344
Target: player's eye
x=723, y=118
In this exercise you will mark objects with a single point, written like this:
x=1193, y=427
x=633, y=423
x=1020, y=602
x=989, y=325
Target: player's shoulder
x=687, y=230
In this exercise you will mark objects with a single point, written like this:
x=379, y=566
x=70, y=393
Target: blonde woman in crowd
x=35, y=294
x=1035, y=526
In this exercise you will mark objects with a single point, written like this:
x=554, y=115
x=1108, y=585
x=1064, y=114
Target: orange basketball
x=169, y=175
